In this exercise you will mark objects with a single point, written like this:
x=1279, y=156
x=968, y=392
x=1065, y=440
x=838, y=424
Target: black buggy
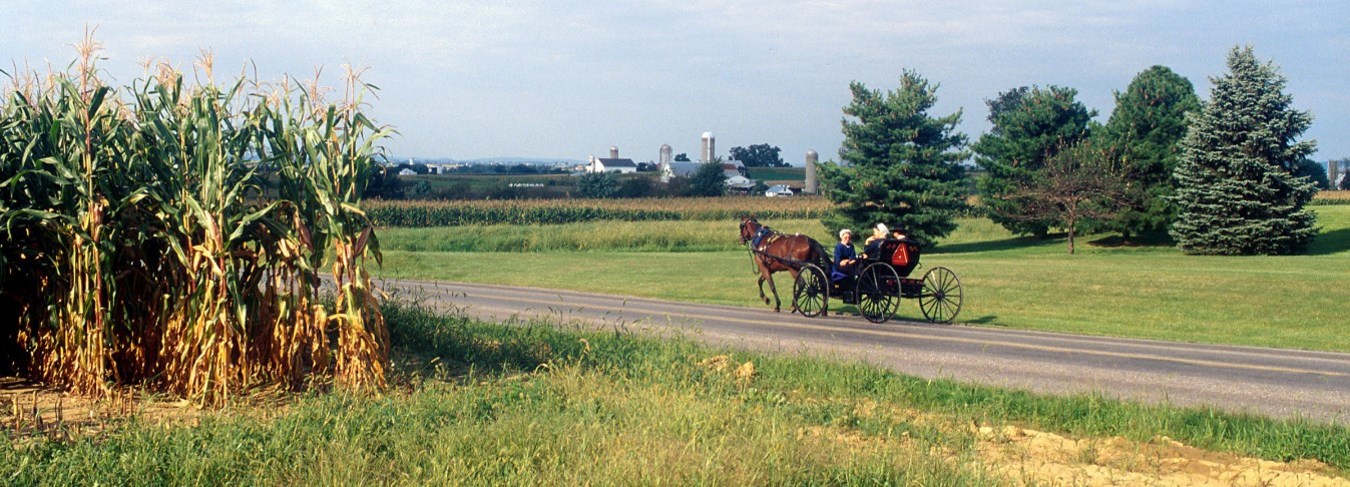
x=878, y=287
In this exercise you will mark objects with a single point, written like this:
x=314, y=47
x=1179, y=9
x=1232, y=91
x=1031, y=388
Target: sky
x=558, y=79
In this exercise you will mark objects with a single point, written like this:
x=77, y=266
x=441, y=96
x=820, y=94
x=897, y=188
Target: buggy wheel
x=811, y=292
x=940, y=300
x=878, y=293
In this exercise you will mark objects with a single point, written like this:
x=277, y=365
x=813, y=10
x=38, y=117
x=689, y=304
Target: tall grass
x=171, y=234
x=543, y=403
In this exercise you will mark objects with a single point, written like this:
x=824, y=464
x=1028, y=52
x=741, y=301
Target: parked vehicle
x=778, y=190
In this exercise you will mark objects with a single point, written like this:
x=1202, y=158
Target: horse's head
x=749, y=227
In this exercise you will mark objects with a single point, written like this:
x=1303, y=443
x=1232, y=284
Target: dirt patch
x=1036, y=457
x=1032, y=456
x=28, y=409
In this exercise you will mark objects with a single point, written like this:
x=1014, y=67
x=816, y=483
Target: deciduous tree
x=758, y=155
x=1236, y=188
x=708, y=180
x=900, y=166
x=597, y=185
x=1076, y=185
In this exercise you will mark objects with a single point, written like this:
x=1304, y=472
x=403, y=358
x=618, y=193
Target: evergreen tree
x=1029, y=126
x=1315, y=172
x=900, y=165
x=1236, y=190
x=1146, y=128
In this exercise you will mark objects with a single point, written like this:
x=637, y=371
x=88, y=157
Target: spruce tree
x=1030, y=125
x=901, y=166
x=1236, y=188
x=1146, y=129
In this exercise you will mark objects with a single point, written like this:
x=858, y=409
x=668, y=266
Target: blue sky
x=569, y=79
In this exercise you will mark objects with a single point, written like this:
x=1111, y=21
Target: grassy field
x=778, y=173
x=487, y=404
x=1144, y=292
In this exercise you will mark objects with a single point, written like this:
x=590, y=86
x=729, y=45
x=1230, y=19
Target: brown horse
x=773, y=252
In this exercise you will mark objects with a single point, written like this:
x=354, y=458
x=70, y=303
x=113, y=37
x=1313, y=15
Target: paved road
x=1274, y=382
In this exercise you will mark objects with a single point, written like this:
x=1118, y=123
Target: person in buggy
x=879, y=234
x=845, y=257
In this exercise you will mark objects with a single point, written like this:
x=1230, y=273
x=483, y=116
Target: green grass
x=539, y=403
x=1142, y=292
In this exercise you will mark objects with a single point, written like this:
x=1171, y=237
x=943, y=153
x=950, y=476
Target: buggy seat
x=900, y=253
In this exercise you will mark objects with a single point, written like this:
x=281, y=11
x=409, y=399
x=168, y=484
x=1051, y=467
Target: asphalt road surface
x=1274, y=382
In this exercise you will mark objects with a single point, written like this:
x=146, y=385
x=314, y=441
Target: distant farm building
x=599, y=164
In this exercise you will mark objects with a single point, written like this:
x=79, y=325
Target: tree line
x=1224, y=176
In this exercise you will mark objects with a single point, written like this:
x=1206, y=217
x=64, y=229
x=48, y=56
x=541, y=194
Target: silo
x=1333, y=171
x=613, y=152
x=811, y=187
x=708, y=147
x=665, y=155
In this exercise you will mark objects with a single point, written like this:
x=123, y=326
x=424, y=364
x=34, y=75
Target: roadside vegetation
x=538, y=403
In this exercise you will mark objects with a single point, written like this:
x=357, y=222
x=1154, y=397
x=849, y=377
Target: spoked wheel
x=811, y=292
x=941, y=297
x=878, y=292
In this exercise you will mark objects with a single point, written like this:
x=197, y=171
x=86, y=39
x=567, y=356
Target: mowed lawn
x=1132, y=291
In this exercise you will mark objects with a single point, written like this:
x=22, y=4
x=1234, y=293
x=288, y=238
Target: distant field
x=1339, y=197
x=777, y=173
x=477, y=186
x=1143, y=292
x=538, y=212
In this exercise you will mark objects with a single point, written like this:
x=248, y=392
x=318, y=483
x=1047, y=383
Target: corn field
x=174, y=235
x=417, y=214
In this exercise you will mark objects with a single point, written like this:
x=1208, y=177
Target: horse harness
x=761, y=241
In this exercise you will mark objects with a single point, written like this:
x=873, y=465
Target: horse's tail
x=822, y=259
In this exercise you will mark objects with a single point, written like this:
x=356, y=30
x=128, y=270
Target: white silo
x=664, y=159
x=811, y=186
x=613, y=152
x=708, y=147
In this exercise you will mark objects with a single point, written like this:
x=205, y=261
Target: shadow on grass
x=1333, y=242
x=991, y=245
x=1147, y=240
x=460, y=346
x=988, y=320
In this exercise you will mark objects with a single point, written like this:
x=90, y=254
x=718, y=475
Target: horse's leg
x=794, y=273
x=777, y=305
x=763, y=274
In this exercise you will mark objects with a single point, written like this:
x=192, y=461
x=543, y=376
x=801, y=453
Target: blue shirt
x=843, y=251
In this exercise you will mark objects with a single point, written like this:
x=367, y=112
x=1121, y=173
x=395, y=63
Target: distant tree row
x=1224, y=177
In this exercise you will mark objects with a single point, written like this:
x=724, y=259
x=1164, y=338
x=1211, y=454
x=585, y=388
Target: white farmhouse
x=600, y=164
